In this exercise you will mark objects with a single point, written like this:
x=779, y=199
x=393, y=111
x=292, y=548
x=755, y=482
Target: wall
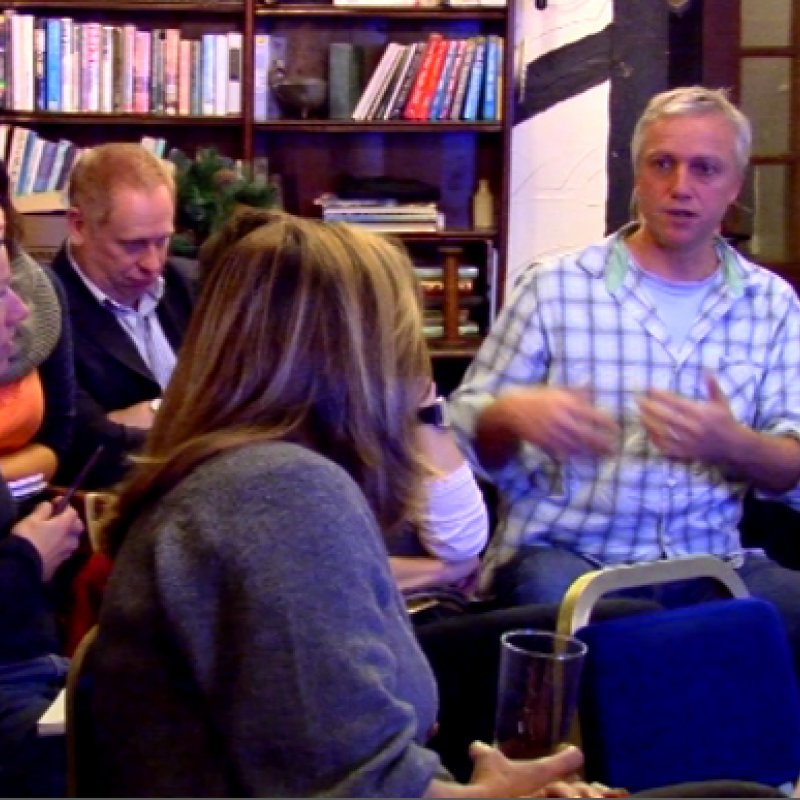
x=584, y=70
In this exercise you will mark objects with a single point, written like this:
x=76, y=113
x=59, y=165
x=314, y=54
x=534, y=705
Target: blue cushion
x=697, y=693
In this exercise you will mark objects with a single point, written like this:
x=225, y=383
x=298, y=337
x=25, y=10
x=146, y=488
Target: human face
x=686, y=178
x=125, y=255
x=12, y=310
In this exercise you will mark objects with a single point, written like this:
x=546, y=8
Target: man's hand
x=139, y=415
x=55, y=538
x=560, y=421
x=691, y=430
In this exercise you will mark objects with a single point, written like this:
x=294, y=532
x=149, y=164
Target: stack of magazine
x=383, y=215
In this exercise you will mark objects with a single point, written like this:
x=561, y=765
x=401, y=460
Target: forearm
x=29, y=460
x=496, y=441
x=420, y=572
x=765, y=461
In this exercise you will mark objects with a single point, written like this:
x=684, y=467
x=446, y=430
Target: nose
x=153, y=258
x=681, y=180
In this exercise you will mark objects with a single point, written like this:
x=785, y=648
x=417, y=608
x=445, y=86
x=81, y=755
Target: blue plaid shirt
x=584, y=320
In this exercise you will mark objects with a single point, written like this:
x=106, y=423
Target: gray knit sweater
x=252, y=642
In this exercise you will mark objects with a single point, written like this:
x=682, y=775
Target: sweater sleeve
x=275, y=581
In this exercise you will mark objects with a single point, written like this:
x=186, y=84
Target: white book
x=77, y=71
x=220, y=74
x=107, y=69
x=90, y=66
x=377, y=80
x=208, y=82
x=128, y=55
x=234, y=103
x=61, y=150
x=22, y=60
x=403, y=65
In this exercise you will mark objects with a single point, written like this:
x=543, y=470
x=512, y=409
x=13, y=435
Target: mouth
x=680, y=214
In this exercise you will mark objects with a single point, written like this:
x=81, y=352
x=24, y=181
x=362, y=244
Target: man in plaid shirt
x=631, y=393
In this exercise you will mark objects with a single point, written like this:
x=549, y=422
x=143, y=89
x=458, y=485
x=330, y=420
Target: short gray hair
x=687, y=101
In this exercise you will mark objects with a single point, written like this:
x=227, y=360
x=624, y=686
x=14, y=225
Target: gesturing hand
x=690, y=430
x=561, y=421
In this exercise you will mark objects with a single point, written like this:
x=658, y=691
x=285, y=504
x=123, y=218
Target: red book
x=414, y=103
x=428, y=91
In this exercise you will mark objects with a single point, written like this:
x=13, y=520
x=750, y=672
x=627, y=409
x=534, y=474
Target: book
x=345, y=63
x=391, y=84
x=434, y=286
x=207, y=78
x=462, y=80
x=22, y=62
x=443, y=110
x=453, y=48
x=54, y=720
x=58, y=159
x=436, y=272
x=395, y=110
x=107, y=57
x=473, y=96
x=196, y=80
x=90, y=67
x=234, y=99
x=377, y=81
x=5, y=130
x=185, y=77
x=141, y=72
x=220, y=74
x=71, y=155
x=30, y=163
x=489, y=101
x=67, y=97
x=399, y=80
x=128, y=58
x=428, y=90
x=4, y=52
x=117, y=68
x=41, y=179
x=411, y=108
x=157, y=41
x=172, y=40
x=39, y=65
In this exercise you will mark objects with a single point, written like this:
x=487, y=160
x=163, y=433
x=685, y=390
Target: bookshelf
x=310, y=154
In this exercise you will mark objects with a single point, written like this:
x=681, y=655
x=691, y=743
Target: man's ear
x=76, y=225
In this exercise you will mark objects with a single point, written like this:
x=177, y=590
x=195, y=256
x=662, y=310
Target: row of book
x=35, y=164
x=59, y=64
x=437, y=79
x=431, y=281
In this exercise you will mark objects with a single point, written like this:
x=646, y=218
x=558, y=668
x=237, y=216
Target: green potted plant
x=208, y=190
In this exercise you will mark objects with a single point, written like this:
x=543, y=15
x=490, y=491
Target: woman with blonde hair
x=252, y=640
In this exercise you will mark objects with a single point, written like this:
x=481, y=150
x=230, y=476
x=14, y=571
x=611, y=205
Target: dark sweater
x=252, y=642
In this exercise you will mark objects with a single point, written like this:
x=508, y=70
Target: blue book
x=207, y=78
x=489, y=104
x=25, y=182
x=46, y=162
x=53, y=64
x=473, y=96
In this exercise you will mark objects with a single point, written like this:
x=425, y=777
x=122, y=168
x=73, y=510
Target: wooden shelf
x=215, y=7
x=115, y=120
x=417, y=13
x=377, y=126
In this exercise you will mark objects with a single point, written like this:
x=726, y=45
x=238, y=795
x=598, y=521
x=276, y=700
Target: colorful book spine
x=220, y=74
x=489, y=100
x=395, y=111
x=234, y=100
x=157, y=71
x=196, y=82
x=40, y=64
x=65, y=28
x=184, y=77
x=398, y=80
x=61, y=148
x=172, y=42
x=30, y=158
x=128, y=60
x=22, y=59
x=412, y=106
x=444, y=79
x=452, y=80
x=473, y=96
x=438, y=58
x=46, y=161
x=208, y=82
x=141, y=72
x=107, y=57
x=77, y=70
x=457, y=107
x=117, y=69
x=90, y=66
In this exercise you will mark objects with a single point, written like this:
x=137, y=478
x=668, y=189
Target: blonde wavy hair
x=306, y=332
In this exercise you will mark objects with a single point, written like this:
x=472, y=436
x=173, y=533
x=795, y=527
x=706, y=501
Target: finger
x=556, y=767
x=715, y=393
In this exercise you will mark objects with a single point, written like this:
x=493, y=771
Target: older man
x=128, y=306
x=631, y=393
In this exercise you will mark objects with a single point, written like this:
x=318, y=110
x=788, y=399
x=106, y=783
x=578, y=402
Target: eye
x=662, y=164
x=705, y=168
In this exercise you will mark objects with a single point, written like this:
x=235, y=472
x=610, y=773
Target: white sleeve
x=455, y=525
